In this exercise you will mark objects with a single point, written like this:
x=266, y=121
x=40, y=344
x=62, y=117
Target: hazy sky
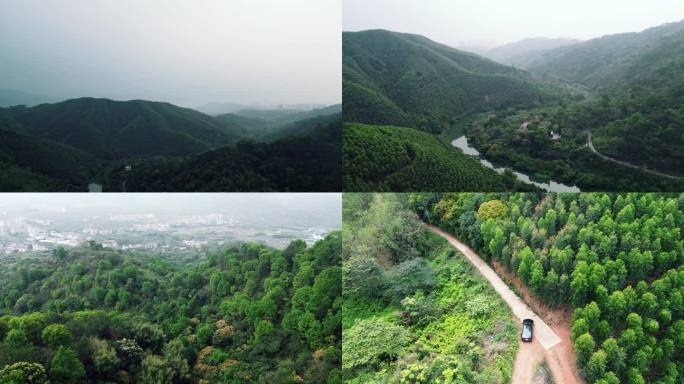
x=185, y=51
x=302, y=209
x=464, y=22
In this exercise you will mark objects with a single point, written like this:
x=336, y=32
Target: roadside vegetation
x=617, y=259
x=414, y=309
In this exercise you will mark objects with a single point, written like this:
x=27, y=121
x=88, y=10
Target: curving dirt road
x=590, y=144
x=551, y=334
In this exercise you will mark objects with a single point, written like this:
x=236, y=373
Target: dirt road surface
x=590, y=144
x=551, y=329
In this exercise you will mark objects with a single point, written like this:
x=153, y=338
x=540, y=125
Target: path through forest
x=590, y=144
x=551, y=329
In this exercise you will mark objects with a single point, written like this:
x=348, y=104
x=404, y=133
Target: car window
x=527, y=331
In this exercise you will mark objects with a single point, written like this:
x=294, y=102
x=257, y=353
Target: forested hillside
x=622, y=91
x=393, y=158
x=114, y=129
x=65, y=146
x=410, y=81
x=619, y=62
x=249, y=314
x=306, y=162
x=617, y=259
x=414, y=309
x=520, y=53
x=636, y=113
x=623, y=128
x=44, y=162
x=271, y=125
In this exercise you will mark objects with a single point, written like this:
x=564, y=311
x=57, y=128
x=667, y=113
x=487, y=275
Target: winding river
x=552, y=186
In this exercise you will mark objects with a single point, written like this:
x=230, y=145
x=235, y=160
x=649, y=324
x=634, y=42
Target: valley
x=128, y=146
x=534, y=115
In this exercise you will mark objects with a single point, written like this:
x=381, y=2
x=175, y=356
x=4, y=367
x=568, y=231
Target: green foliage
x=154, y=370
x=447, y=317
x=66, y=367
x=411, y=81
x=65, y=146
x=238, y=314
x=370, y=341
x=303, y=163
x=408, y=277
x=23, y=373
x=493, y=209
x=56, y=335
x=378, y=158
x=616, y=258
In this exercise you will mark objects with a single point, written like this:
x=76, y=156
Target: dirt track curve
x=551, y=330
x=590, y=144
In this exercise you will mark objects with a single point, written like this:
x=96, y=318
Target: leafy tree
x=56, y=335
x=363, y=276
x=23, y=373
x=584, y=347
x=66, y=367
x=369, y=341
x=596, y=366
x=493, y=209
x=408, y=277
x=105, y=359
x=153, y=370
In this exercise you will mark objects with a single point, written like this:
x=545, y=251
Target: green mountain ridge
x=409, y=80
x=47, y=158
x=302, y=163
x=618, y=62
x=64, y=146
x=114, y=129
x=277, y=124
x=624, y=90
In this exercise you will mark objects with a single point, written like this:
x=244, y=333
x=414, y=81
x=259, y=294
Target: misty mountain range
x=579, y=112
x=66, y=145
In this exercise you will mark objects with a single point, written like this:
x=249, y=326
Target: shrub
x=370, y=341
x=408, y=277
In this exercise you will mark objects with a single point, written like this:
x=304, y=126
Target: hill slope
x=68, y=167
x=409, y=80
x=518, y=53
x=229, y=316
x=114, y=129
x=402, y=159
x=618, y=62
x=276, y=124
x=297, y=163
x=638, y=114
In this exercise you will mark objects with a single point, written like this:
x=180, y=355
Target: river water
x=552, y=186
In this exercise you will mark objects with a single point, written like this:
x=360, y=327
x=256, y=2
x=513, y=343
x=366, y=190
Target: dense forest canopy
x=379, y=158
x=247, y=314
x=65, y=146
x=414, y=309
x=617, y=259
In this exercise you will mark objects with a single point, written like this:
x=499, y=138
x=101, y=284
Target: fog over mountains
x=186, y=53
